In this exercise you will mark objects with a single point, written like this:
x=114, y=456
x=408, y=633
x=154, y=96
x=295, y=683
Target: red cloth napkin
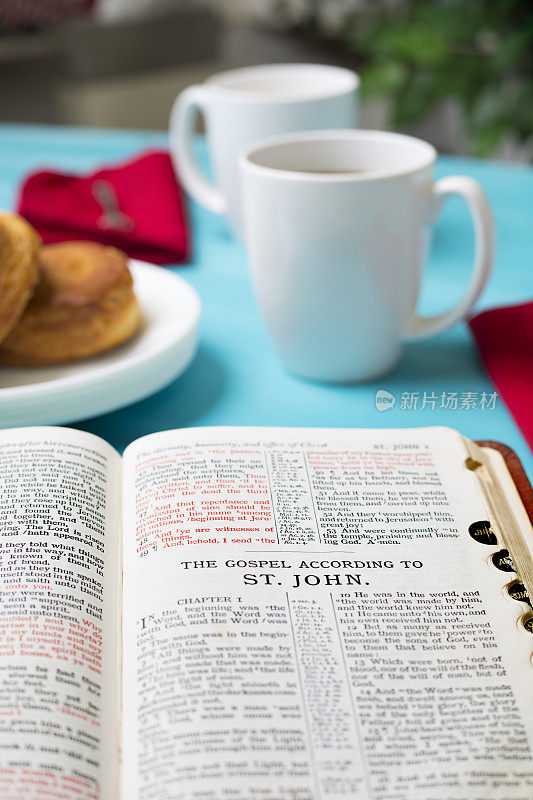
x=505, y=340
x=136, y=206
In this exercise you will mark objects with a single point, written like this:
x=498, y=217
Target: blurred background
x=456, y=72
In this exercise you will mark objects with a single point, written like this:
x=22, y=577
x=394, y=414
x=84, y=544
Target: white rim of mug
x=352, y=82
x=350, y=134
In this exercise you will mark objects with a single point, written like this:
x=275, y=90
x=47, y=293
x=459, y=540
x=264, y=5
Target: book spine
x=502, y=531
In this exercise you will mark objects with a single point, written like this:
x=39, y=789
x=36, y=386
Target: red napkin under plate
x=136, y=206
x=504, y=337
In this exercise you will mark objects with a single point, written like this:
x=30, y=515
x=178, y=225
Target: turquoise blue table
x=237, y=379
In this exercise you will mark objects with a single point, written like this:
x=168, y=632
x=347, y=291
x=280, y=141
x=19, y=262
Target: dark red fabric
x=64, y=207
x=505, y=340
x=22, y=14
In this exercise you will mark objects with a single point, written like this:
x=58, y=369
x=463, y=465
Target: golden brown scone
x=83, y=305
x=19, y=271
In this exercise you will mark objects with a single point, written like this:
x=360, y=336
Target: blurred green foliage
x=422, y=52
x=479, y=52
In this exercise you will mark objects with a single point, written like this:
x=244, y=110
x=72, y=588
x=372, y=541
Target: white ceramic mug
x=336, y=226
x=242, y=106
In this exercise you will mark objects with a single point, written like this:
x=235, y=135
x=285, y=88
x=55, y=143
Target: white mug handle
x=421, y=327
x=183, y=116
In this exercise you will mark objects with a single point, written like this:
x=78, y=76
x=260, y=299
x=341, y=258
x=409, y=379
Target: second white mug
x=337, y=224
x=242, y=106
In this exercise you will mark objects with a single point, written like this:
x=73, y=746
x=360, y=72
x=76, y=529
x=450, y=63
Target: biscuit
x=83, y=305
x=19, y=272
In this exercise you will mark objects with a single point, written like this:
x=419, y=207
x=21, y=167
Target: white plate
x=160, y=352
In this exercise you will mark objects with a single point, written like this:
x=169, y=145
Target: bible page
x=59, y=620
x=306, y=617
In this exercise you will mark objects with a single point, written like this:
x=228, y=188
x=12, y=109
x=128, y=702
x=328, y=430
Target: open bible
x=263, y=614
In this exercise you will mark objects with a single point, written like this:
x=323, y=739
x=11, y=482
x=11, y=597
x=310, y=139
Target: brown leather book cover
x=517, y=471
